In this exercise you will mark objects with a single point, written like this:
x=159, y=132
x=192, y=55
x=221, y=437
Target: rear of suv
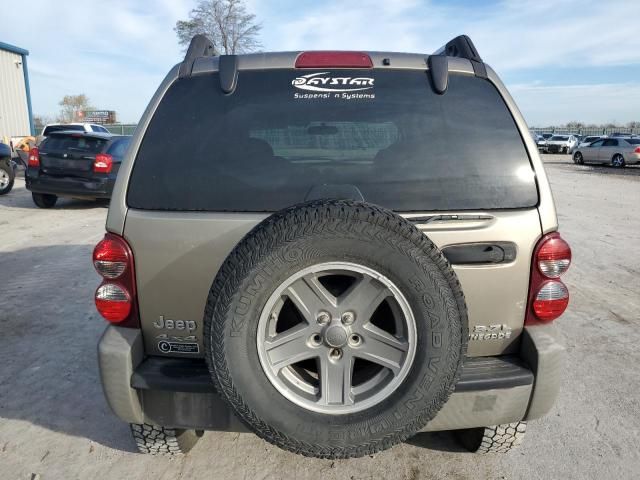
x=74, y=164
x=362, y=246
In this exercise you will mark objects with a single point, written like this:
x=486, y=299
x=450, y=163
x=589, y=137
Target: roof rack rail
x=462, y=47
x=200, y=46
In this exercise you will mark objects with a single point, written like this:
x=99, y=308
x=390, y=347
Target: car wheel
x=335, y=329
x=44, y=200
x=496, y=439
x=155, y=440
x=7, y=177
x=578, y=158
x=617, y=161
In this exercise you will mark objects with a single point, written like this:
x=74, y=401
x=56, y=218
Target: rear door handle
x=480, y=253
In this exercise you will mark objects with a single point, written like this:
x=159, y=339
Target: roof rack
x=200, y=46
x=462, y=47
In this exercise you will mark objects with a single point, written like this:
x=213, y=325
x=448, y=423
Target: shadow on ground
x=48, y=361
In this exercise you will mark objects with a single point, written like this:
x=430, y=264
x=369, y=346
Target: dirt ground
x=55, y=424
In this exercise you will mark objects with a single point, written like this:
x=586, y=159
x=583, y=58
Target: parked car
x=561, y=143
x=616, y=152
x=7, y=169
x=70, y=127
x=316, y=270
x=583, y=142
x=74, y=164
x=541, y=142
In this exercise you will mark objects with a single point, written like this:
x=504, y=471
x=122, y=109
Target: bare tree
x=574, y=125
x=226, y=22
x=71, y=105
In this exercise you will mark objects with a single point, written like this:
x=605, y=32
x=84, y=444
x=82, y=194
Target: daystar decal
x=315, y=82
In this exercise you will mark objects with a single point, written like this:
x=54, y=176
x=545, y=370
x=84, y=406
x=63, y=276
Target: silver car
x=616, y=152
x=561, y=143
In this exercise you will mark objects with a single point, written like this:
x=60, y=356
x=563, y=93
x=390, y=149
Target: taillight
x=115, y=298
x=103, y=163
x=637, y=150
x=333, y=60
x=548, y=296
x=34, y=157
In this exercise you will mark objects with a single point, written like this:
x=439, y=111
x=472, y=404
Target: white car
x=561, y=143
x=80, y=127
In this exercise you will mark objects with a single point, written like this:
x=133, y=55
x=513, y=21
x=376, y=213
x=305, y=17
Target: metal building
x=16, y=118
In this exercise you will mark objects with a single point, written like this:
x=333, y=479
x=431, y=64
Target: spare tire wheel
x=335, y=329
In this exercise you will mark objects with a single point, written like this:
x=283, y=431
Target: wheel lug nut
x=335, y=354
x=323, y=318
x=348, y=318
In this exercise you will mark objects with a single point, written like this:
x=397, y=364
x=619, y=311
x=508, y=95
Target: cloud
x=509, y=35
x=118, y=51
x=546, y=105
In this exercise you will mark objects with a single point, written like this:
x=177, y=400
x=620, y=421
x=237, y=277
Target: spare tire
x=335, y=329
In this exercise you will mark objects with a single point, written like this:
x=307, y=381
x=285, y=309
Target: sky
x=561, y=60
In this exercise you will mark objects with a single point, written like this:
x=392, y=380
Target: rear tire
x=154, y=440
x=7, y=177
x=496, y=439
x=617, y=161
x=44, y=200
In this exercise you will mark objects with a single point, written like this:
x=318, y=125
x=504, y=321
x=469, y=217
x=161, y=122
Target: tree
x=226, y=22
x=574, y=125
x=71, y=105
x=42, y=120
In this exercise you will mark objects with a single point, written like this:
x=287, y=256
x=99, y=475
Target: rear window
x=281, y=137
x=559, y=138
x=633, y=141
x=74, y=143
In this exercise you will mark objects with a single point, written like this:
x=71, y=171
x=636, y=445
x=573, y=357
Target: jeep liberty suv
x=354, y=247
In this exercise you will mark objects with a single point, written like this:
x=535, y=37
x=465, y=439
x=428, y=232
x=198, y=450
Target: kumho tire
x=368, y=241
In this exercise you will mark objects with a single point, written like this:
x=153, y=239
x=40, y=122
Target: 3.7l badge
x=490, y=332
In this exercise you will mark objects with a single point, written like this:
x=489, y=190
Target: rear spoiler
x=459, y=47
x=202, y=46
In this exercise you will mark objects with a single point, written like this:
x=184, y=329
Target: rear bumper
x=97, y=187
x=632, y=158
x=179, y=393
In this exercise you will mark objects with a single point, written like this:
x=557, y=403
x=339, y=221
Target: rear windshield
x=285, y=135
x=559, y=138
x=74, y=143
x=633, y=141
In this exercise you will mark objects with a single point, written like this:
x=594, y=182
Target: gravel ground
x=54, y=422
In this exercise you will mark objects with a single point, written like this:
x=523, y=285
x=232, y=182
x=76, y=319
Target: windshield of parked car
x=559, y=138
x=386, y=134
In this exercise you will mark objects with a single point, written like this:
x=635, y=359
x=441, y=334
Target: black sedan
x=74, y=164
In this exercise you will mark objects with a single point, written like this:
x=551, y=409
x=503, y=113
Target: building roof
x=13, y=49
